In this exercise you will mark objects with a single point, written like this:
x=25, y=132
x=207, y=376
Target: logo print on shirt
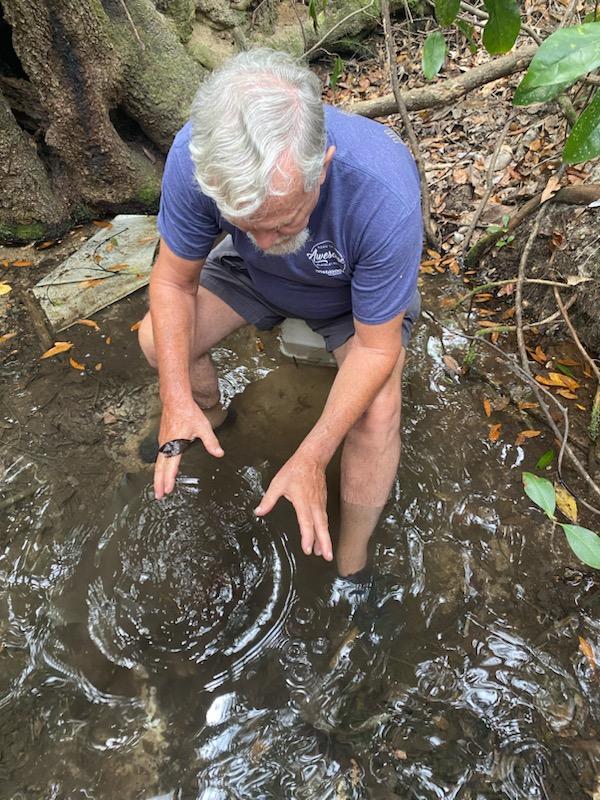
x=327, y=259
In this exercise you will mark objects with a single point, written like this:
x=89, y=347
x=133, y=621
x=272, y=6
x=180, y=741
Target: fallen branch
x=414, y=144
x=581, y=194
x=446, y=92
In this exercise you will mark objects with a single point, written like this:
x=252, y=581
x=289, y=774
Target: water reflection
x=186, y=650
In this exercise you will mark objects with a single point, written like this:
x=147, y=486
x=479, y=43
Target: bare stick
x=132, y=23
x=529, y=326
x=302, y=31
x=505, y=282
x=576, y=339
x=489, y=181
x=410, y=132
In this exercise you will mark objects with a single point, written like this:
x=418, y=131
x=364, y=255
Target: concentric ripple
x=191, y=579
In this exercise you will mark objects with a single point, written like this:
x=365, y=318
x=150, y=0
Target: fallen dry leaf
x=44, y=245
x=91, y=282
x=568, y=362
x=494, y=432
x=5, y=288
x=551, y=188
x=588, y=651
x=524, y=405
x=557, y=379
x=76, y=364
x=98, y=366
x=117, y=267
x=566, y=502
x=538, y=355
x=452, y=365
x=524, y=435
x=22, y=263
x=580, y=407
x=567, y=394
x=108, y=340
x=487, y=407
x=7, y=336
x=135, y=325
x=102, y=223
x=59, y=347
x=89, y=323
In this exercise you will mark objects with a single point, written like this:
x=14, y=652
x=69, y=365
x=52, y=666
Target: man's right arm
x=173, y=291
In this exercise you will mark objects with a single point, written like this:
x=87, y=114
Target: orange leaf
x=98, y=366
x=525, y=405
x=486, y=323
x=564, y=380
x=568, y=362
x=89, y=323
x=453, y=266
x=494, y=432
x=22, y=263
x=135, y=325
x=483, y=296
x=102, y=223
x=59, y=347
x=487, y=407
x=588, y=651
x=5, y=262
x=7, y=336
x=76, y=364
x=580, y=407
x=509, y=313
x=91, y=282
x=524, y=435
x=44, y=245
x=539, y=355
x=566, y=393
x=108, y=340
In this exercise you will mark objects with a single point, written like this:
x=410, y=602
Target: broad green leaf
x=502, y=27
x=584, y=543
x=565, y=370
x=312, y=13
x=584, y=140
x=336, y=72
x=467, y=31
x=545, y=459
x=562, y=58
x=446, y=11
x=541, y=491
x=434, y=53
x=526, y=95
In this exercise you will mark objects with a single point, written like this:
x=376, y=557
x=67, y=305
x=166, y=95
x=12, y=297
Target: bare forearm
x=358, y=381
x=173, y=319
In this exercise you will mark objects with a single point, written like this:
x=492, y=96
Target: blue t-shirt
x=366, y=230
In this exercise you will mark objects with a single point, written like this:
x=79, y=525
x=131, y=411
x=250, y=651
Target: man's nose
x=266, y=239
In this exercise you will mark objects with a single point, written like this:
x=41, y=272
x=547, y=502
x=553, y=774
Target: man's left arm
x=371, y=358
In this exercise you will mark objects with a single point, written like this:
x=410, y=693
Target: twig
x=535, y=385
x=132, y=23
x=335, y=27
x=489, y=182
x=416, y=150
x=302, y=31
x=505, y=282
x=576, y=339
x=529, y=326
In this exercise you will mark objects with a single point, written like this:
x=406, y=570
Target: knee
x=381, y=421
x=146, y=340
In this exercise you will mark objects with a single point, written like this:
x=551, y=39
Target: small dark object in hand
x=175, y=447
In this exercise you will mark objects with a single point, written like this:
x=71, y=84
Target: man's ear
x=326, y=162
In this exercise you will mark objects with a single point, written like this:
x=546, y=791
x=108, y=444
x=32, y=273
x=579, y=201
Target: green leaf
x=545, y=459
x=562, y=58
x=541, y=491
x=502, y=27
x=434, y=53
x=584, y=140
x=565, y=370
x=336, y=72
x=468, y=32
x=584, y=543
x=313, y=14
x=446, y=11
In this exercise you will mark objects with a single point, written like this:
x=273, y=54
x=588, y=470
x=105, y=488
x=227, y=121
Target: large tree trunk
x=93, y=91
x=97, y=92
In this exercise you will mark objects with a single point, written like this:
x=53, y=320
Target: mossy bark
x=107, y=92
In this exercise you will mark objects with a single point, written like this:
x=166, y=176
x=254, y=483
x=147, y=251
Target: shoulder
x=373, y=159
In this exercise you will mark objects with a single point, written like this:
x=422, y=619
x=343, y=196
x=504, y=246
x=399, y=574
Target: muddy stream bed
x=183, y=649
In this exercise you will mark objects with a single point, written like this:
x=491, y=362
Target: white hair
x=256, y=108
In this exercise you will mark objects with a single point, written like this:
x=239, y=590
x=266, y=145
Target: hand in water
x=181, y=422
x=301, y=480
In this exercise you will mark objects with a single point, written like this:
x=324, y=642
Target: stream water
x=183, y=649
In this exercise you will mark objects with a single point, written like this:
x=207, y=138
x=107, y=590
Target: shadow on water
x=184, y=649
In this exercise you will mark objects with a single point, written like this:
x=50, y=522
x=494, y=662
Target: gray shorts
x=225, y=275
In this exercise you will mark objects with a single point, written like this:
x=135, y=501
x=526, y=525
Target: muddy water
x=185, y=650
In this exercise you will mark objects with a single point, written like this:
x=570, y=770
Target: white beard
x=285, y=247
